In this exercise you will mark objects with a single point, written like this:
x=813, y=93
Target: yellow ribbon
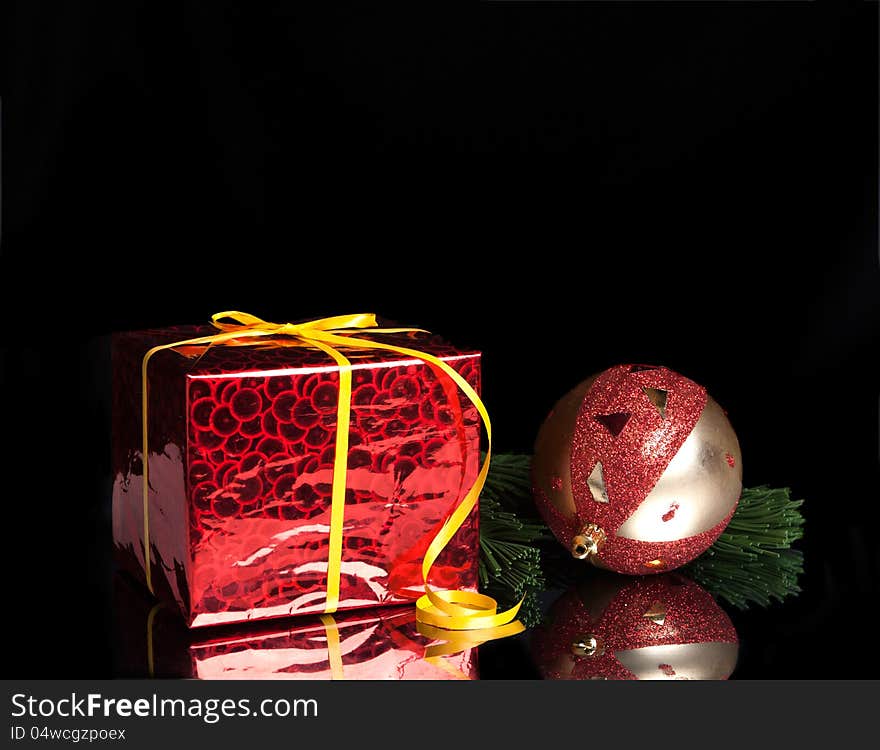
x=443, y=610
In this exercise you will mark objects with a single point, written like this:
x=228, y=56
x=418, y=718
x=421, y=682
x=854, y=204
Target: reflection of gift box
x=241, y=460
x=368, y=644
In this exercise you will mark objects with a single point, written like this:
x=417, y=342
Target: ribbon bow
x=437, y=612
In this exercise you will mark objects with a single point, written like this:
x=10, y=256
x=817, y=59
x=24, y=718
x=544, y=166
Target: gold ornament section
x=697, y=490
x=712, y=660
x=685, y=661
x=656, y=613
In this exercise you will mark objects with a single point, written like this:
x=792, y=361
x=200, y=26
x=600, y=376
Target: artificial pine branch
x=510, y=560
x=750, y=563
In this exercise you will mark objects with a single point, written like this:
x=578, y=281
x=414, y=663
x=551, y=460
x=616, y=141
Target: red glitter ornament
x=637, y=470
x=658, y=628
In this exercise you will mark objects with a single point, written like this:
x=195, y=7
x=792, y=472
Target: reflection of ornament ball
x=658, y=628
x=637, y=470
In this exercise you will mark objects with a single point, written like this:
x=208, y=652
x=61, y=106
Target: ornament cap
x=588, y=645
x=588, y=543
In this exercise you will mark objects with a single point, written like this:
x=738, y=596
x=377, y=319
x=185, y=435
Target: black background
x=566, y=186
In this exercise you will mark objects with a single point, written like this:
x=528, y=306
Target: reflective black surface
x=765, y=642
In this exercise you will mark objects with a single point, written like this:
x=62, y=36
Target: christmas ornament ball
x=637, y=470
x=658, y=628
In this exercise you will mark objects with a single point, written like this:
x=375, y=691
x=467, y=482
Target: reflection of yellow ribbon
x=444, y=610
x=151, y=616
x=334, y=652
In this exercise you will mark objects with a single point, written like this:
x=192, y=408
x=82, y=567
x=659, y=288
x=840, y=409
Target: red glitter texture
x=692, y=616
x=634, y=458
x=670, y=514
x=241, y=459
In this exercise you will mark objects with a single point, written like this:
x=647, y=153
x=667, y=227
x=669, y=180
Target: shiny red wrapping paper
x=241, y=450
x=368, y=644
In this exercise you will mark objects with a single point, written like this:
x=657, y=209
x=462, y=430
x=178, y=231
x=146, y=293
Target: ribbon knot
x=437, y=612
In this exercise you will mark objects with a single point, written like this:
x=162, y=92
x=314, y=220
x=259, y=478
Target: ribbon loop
x=245, y=321
x=445, y=611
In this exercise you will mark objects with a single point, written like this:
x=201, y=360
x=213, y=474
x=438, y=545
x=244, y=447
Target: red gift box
x=241, y=461
x=367, y=644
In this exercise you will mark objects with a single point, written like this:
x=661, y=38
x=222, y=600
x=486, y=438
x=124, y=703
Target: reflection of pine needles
x=751, y=562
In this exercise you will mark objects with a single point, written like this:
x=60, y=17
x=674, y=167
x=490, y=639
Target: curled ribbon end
x=466, y=611
x=472, y=627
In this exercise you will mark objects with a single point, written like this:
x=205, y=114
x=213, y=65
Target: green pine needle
x=751, y=562
x=510, y=560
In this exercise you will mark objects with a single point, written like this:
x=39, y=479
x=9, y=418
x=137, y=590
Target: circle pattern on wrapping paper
x=263, y=447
